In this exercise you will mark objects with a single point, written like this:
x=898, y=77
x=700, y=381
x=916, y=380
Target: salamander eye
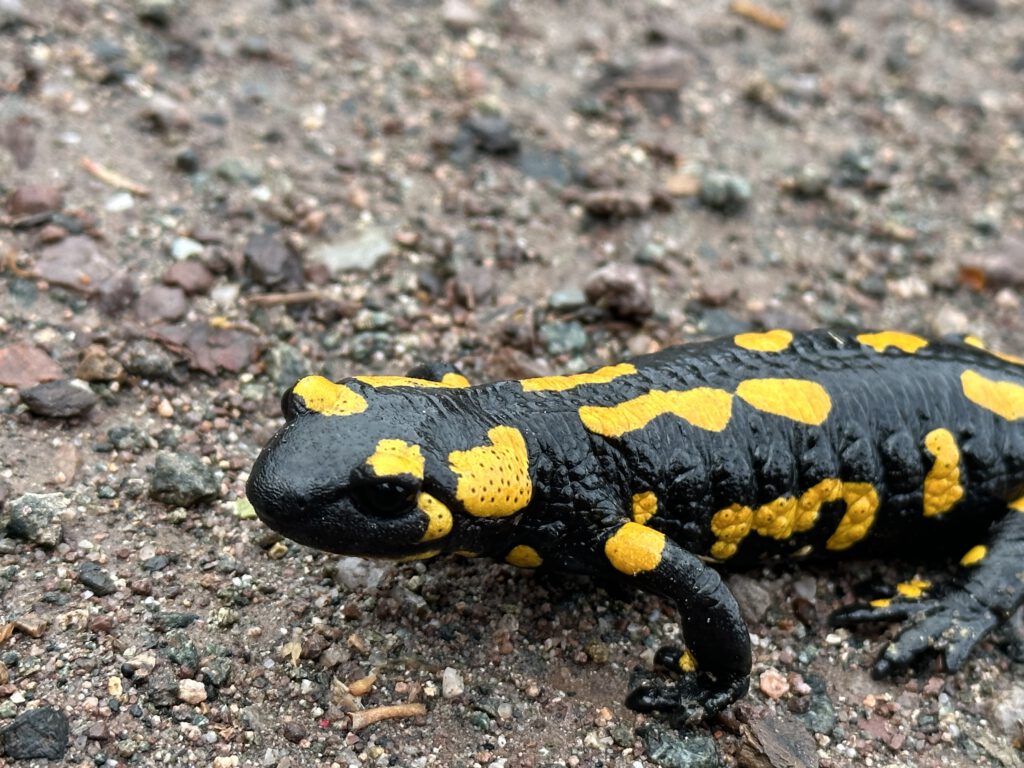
x=386, y=498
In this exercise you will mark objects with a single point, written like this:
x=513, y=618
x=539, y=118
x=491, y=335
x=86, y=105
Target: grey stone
x=563, y=338
x=285, y=364
x=270, y=262
x=166, y=621
x=754, y=600
x=96, y=579
x=622, y=289
x=683, y=748
x=724, y=192
x=35, y=517
x=161, y=303
x=358, y=253
x=567, y=299
x=149, y=360
x=182, y=651
x=1008, y=713
x=182, y=480
x=59, y=399
x=357, y=573
x=37, y=733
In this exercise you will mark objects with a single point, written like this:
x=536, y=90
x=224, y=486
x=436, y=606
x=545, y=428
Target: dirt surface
x=204, y=201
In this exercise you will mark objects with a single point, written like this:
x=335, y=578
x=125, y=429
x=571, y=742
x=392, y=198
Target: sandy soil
x=205, y=201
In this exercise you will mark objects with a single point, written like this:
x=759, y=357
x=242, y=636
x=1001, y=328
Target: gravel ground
x=204, y=201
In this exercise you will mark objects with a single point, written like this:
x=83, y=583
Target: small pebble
x=119, y=202
x=191, y=276
x=622, y=289
x=182, y=480
x=359, y=253
x=293, y=731
x=724, y=192
x=32, y=200
x=191, y=691
x=96, y=580
x=97, y=365
x=160, y=303
x=185, y=247
x=452, y=685
x=459, y=15
x=773, y=684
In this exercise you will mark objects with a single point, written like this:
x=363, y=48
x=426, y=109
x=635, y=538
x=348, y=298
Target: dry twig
x=113, y=178
x=365, y=717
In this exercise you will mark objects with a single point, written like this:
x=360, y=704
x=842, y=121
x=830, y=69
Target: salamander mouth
x=331, y=525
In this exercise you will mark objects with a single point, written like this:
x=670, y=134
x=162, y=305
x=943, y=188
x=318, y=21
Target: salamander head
x=363, y=470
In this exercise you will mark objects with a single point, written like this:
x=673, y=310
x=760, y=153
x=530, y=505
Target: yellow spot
x=702, y=407
x=778, y=519
x=1003, y=398
x=466, y=553
x=796, y=399
x=439, y=517
x=861, y=505
x=913, y=589
x=645, y=505
x=1009, y=358
x=330, y=399
x=418, y=556
x=1017, y=505
x=455, y=380
x=769, y=341
x=905, y=342
x=634, y=549
x=494, y=480
x=523, y=556
x=396, y=457
x=562, y=383
x=883, y=602
x=942, y=489
x=974, y=341
x=974, y=555
x=687, y=662
x=448, y=381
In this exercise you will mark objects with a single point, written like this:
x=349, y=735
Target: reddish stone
x=30, y=200
x=23, y=366
x=190, y=275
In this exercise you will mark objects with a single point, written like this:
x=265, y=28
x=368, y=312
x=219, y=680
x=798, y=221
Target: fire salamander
x=658, y=471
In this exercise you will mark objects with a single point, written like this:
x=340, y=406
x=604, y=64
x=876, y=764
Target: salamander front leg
x=989, y=588
x=715, y=668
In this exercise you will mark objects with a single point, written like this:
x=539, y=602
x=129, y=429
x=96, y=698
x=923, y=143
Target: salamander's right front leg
x=715, y=667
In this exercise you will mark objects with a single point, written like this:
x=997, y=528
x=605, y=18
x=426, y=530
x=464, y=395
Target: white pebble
x=452, y=685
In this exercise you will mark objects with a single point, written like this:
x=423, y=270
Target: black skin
x=311, y=484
